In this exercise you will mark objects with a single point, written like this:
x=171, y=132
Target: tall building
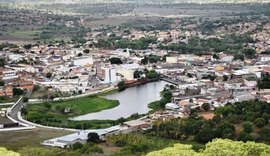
x=107, y=74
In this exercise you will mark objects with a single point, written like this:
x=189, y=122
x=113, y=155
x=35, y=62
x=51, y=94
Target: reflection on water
x=132, y=100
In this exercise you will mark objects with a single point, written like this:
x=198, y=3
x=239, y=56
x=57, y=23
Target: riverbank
x=57, y=114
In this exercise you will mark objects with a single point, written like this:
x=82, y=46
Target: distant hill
x=135, y=1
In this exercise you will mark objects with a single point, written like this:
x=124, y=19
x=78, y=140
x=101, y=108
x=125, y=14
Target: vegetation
x=218, y=147
x=2, y=83
x=114, y=43
x=121, y=85
x=58, y=113
x=248, y=114
x=166, y=97
x=249, y=53
x=116, y=60
x=93, y=137
x=77, y=149
x=152, y=74
x=17, y=91
x=264, y=83
x=49, y=75
x=137, y=144
x=5, y=152
x=2, y=62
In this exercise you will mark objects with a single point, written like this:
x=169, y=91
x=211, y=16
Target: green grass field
x=54, y=114
x=79, y=106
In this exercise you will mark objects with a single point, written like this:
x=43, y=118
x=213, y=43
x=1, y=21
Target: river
x=132, y=100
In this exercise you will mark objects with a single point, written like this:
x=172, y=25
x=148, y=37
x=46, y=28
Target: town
x=199, y=70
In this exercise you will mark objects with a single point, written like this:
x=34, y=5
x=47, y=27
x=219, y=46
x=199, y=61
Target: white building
x=9, y=75
x=83, y=61
x=127, y=70
x=110, y=75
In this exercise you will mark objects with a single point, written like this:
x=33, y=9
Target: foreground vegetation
x=139, y=144
x=218, y=147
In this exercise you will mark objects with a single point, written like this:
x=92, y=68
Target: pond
x=132, y=100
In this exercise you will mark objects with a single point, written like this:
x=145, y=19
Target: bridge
x=189, y=97
x=169, y=80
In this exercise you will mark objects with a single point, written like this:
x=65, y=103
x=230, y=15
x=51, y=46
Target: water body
x=132, y=100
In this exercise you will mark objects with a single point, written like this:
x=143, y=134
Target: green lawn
x=53, y=114
x=79, y=106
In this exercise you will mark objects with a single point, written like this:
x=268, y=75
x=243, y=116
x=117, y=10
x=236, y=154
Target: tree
x=116, y=60
x=77, y=146
x=243, y=136
x=248, y=127
x=189, y=75
x=17, y=91
x=218, y=147
x=176, y=150
x=206, y=107
x=28, y=46
x=121, y=85
x=264, y=134
x=225, y=78
x=264, y=83
x=87, y=51
x=215, y=56
x=137, y=74
x=2, y=62
x=93, y=137
x=260, y=122
x=5, y=152
x=48, y=75
x=249, y=53
x=211, y=77
x=2, y=83
x=153, y=59
x=25, y=99
x=80, y=54
x=205, y=135
x=239, y=57
x=145, y=60
x=152, y=74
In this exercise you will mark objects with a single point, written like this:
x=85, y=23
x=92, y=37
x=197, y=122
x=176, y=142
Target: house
x=244, y=97
x=136, y=125
x=68, y=140
x=172, y=106
x=127, y=70
x=6, y=91
x=83, y=61
x=82, y=137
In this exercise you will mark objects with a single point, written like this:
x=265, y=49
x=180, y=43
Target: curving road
x=18, y=105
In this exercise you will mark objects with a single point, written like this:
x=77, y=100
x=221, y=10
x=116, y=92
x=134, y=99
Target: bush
x=77, y=146
x=205, y=135
x=120, y=143
x=243, y=136
x=260, y=122
x=248, y=127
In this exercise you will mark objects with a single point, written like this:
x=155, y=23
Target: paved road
x=19, y=104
